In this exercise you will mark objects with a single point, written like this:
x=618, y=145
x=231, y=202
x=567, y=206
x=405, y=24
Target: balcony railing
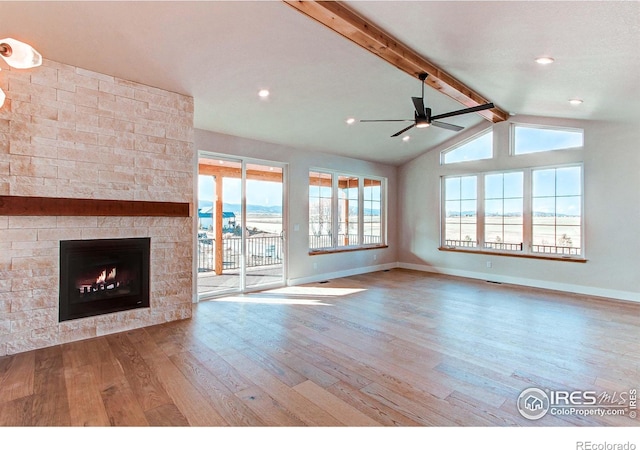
x=503, y=246
x=456, y=243
x=261, y=251
x=556, y=250
x=326, y=241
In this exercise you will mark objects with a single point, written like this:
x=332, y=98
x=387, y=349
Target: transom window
x=478, y=147
x=345, y=211
x=532, y=139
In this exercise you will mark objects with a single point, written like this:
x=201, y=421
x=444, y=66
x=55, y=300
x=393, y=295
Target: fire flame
x=104, y=277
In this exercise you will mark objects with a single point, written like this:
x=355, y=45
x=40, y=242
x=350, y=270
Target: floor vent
x=493, y=282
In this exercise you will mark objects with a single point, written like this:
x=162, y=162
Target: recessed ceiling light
x=263, y=93
x=544, y=60
x=575, y=101
x=406, y=138
x=350, y=120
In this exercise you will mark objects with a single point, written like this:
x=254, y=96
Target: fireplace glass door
x=102, y=276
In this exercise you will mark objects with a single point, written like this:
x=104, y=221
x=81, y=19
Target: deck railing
x=503, y=246
x=261, y=251
x=456, y=243
x=556, y=250
x=326, y=241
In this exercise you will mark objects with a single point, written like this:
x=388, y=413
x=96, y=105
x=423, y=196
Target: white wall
x=300, y=263
x=611, y=206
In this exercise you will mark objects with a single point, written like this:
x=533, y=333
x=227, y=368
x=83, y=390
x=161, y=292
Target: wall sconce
x=18, y=55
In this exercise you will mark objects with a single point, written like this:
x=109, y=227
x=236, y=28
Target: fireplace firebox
x=103, y=276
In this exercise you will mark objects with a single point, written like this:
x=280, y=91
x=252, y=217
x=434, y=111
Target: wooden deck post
x=219, y=250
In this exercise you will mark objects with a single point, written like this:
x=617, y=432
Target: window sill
x=345, y=249
x=549, y=257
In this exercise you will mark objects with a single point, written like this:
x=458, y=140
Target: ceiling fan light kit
x=423, y=118
x=19, y=56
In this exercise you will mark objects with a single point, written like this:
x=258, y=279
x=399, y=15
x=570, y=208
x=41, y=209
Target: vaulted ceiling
x=222, y=53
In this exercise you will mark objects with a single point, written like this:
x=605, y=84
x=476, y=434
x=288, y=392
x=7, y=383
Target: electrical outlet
x=375, y=257
x=489, y=264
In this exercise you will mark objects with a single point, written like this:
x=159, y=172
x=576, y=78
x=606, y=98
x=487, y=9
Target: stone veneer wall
x=70, y=132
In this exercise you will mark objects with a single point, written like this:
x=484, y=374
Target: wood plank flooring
x=392, y=348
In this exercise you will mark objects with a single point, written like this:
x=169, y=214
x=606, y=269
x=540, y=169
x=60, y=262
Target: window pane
x=493, y=186
x=468, y=188
x=568, y=181
x=544, y=182
x=513, y=207
x=493, y=208
x=478, y=148
x=513, y=234
x=533, y=140
x=468, y=208
x=452, y=188
x=513, y=185
x=544, y=235
x=569, y=206
x=544, y=210
x=493, y=233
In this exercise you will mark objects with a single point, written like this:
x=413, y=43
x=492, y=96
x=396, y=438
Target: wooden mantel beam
x=346, y=22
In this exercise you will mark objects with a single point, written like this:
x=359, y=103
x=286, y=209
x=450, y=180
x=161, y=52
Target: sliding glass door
x=241, y=244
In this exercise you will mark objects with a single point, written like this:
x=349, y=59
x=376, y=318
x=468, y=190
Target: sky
x=263, y=193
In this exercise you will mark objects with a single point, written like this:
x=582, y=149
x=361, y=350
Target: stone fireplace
x=86, y=156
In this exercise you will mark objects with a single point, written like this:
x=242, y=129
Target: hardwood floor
x=393, y=348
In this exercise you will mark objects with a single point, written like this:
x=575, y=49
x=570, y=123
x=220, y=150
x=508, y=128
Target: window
x=557, y=211
x=352, y=205
x=348, y=211
x=372, y=214
x=461, y=210
x=529, y=139
x=503, y=211
x=320, y=209
x=479, y=147
x=543, y=220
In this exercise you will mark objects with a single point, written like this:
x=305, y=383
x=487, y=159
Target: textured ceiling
x=222, y=53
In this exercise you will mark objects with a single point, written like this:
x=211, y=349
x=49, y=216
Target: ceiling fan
x=423, y=118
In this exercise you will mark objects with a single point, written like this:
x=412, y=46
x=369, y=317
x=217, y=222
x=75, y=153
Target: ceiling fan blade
x=463, y=111
x=389, y=120
x=402, y=131
x=448, y=126
x=418, y=103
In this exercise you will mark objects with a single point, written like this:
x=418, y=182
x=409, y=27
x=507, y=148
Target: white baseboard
x=340, y=274
x=565, y=287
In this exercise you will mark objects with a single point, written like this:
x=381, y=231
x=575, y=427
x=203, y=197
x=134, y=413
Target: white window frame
x=335, y=210
x=527, y=232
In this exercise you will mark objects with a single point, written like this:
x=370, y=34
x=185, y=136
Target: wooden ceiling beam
x=346, y=22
